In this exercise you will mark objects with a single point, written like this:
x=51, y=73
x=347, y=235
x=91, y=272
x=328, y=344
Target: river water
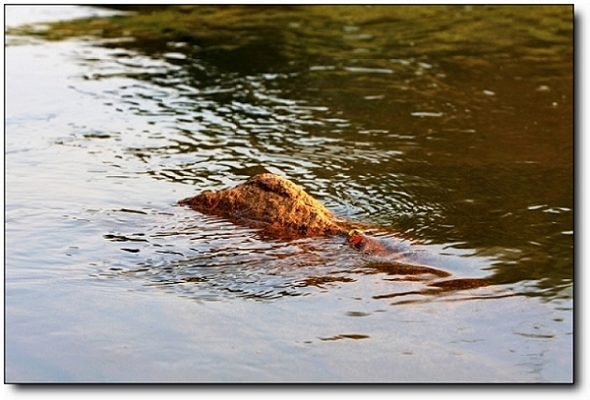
x=448, y=137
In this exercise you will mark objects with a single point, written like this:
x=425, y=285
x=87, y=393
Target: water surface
x=449, y=130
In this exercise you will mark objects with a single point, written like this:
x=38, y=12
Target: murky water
x=460, y=152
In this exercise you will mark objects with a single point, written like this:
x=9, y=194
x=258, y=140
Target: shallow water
x=460, y=153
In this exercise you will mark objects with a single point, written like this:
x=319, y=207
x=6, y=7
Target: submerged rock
x=284, y=210
x=366, y=244
x=275, y=203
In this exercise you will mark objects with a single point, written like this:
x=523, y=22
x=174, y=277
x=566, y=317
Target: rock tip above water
x=272, y=200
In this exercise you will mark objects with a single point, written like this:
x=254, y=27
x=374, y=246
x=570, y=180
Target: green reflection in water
x=450, y=124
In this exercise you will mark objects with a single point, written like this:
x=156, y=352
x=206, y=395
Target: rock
x=275, y=203
x=366, y=244
x=284, y=210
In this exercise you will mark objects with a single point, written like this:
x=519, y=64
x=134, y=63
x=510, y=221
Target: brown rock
x=363, y=243
x=284, y=210
x=276, y=203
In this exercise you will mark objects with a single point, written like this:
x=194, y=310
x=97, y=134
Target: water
x=462, y=154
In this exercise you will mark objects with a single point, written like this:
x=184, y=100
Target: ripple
x=354, y=336
x=207, y=258
x=187, y=123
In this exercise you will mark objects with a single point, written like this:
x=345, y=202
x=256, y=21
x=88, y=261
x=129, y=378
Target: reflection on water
x=400, y=119
x=209, y=258
x=396, y=142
